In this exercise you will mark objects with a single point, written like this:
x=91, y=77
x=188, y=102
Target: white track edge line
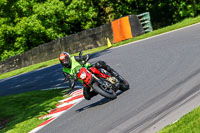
x=68, y=103
x=157, y=35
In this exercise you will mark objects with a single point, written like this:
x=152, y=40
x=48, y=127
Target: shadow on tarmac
x=98, y=103
x=45, y=78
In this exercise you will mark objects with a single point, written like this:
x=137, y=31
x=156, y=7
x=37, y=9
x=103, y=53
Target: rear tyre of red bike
x=105, y=93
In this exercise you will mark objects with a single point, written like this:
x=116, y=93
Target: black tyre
x=124, y=85
x=110, y=94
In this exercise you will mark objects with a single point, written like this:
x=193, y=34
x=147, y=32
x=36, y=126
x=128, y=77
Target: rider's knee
x=100, y=64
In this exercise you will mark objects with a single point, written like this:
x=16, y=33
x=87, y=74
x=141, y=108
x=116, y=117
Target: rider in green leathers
x=71, y=65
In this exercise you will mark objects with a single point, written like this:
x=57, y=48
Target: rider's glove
x=82, y=59
x=86, y=58
x=72, y=83
x=70, y=79
x=66, y=76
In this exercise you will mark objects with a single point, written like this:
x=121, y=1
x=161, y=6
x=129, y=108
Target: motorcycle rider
x=71, y=65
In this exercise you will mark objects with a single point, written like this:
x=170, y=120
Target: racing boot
x=87, y=93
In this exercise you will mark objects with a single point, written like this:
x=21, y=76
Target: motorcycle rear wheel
x=110, y=95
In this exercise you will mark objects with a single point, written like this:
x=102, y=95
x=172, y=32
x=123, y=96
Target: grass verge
x=186, y=22
x=22, y=110
x=190, y=123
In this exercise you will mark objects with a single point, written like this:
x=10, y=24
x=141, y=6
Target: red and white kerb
x=63, y=106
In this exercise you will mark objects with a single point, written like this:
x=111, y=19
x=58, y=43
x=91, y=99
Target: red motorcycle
x=102, y=81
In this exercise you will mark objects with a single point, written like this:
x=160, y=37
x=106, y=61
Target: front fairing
x=87, y=78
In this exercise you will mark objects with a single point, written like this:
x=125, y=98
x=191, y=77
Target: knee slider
x=100, y=64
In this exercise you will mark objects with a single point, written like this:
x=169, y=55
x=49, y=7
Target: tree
x=25, y=24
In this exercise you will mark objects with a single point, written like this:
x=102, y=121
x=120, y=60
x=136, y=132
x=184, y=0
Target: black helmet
x=65, y=59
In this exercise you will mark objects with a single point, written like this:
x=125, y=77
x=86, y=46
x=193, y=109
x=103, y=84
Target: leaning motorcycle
x=102, y=82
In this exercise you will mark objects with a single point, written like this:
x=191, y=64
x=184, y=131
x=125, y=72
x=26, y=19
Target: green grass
x=184, y=23
x=24, y=109
x=190, y=123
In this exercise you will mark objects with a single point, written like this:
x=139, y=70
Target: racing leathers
x=77, y=63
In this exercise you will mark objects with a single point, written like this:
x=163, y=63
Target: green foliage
x=51, y=14
x=24, y=109
x=81, y=15
x=25, y=24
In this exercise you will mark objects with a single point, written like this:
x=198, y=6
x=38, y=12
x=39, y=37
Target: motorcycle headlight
x=83, y=75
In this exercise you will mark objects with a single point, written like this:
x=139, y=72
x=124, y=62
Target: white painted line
x=36, y=129
x=42, y=125
x=186, y=106
x=118, y=46
x=70, y=97
x=58, y=116
x=55, y=115
x=76, y=92
x=157, y=35
x=65, y=99
x=72, y=102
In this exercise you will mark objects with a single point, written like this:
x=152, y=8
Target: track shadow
x=98, y=103
x=46, y=78
x=50, y=77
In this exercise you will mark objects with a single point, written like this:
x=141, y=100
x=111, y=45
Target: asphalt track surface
x=162, y=72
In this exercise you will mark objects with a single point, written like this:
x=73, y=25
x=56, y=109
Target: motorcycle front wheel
x=110, y=94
